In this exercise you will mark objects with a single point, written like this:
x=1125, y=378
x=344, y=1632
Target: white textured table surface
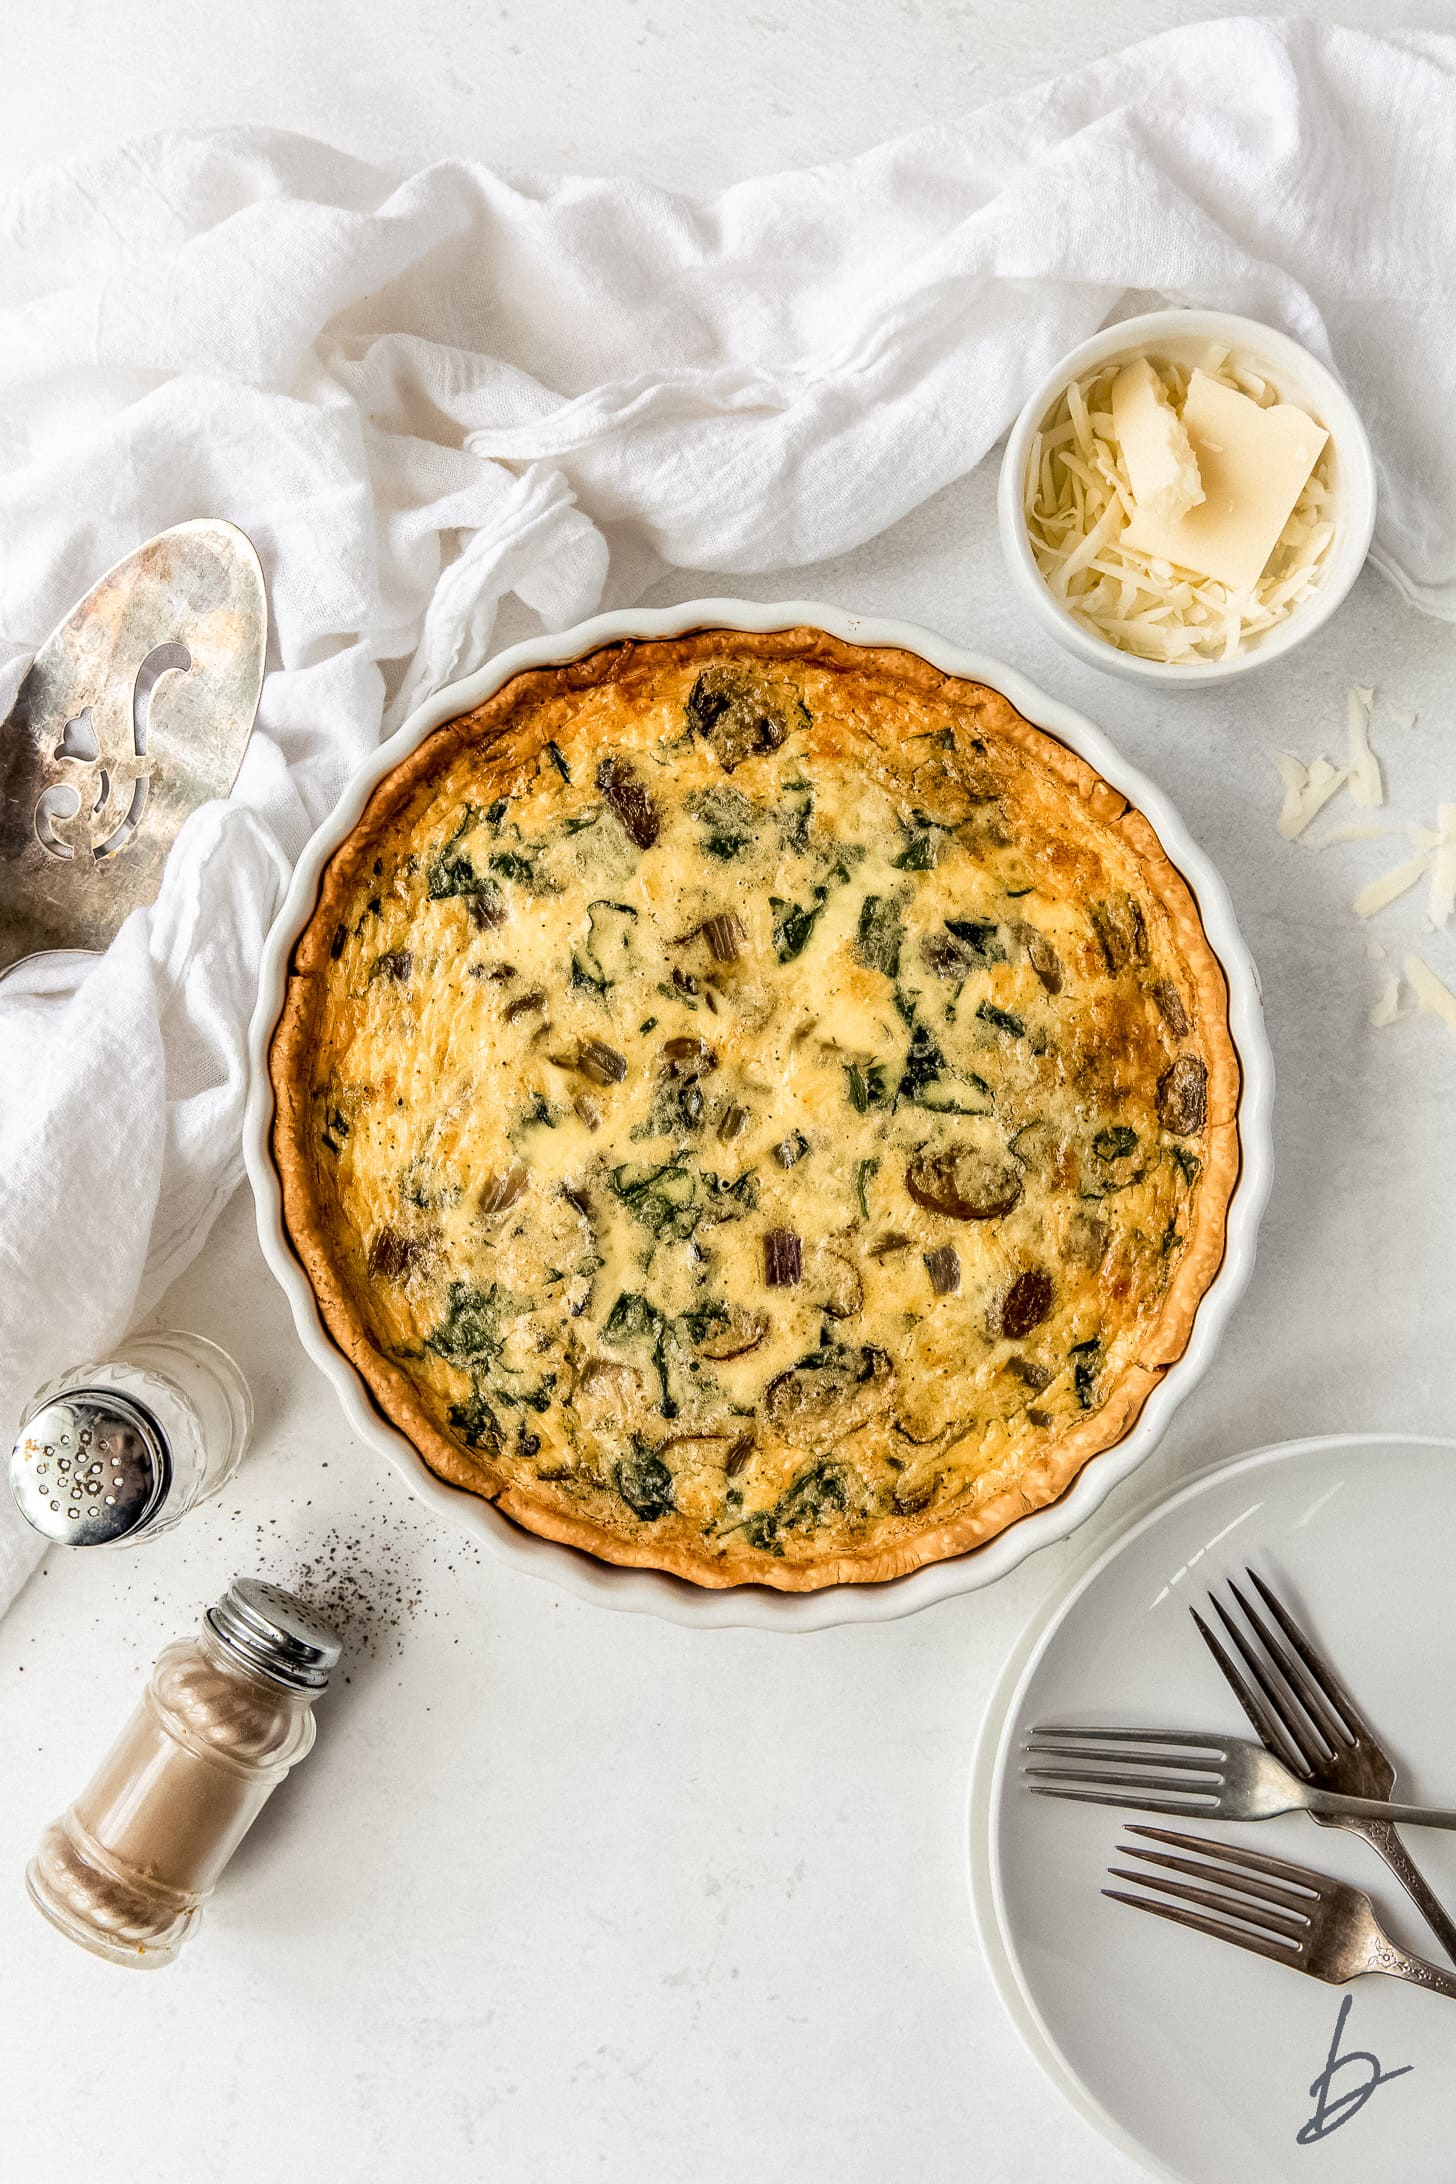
x=565, y=1895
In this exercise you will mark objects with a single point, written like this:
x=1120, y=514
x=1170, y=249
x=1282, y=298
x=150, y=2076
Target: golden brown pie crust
x=506, y=735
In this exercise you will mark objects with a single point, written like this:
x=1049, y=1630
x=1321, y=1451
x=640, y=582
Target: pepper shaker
x=115, y=1453
x=225, y=1716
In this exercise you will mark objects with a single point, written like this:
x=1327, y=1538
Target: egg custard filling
x=755, y=1107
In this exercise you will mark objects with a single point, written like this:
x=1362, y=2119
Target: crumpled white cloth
x=421, y=397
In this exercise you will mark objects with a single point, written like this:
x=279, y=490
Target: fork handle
x=1385, y=1957
x=1381, y=1836
x=1330, y=1805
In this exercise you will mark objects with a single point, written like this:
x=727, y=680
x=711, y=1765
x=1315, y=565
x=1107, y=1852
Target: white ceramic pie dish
x=755, y=1606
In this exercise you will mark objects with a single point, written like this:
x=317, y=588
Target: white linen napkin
x=421, y=397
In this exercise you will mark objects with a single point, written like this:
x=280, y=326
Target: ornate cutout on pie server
x=137, y=709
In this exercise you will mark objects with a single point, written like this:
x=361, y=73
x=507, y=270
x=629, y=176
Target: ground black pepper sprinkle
x=371, y=1574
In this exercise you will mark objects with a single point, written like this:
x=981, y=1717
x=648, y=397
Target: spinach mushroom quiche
x=755, y=1107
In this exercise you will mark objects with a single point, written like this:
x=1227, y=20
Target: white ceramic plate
x=653, y=1592
x=1196, y=2057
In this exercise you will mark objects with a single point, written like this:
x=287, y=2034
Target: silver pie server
x=135, y=711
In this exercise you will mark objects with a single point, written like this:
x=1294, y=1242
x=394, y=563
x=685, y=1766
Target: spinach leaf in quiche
x=867, y=1086
x=664, y=1199
x=471, y=1328
x=729, y=820
x=645, y=1484
x=979, y=935
x=599, y=960
x=807, y=1500
x=1084, y=1371
x=450, y=871
x=476, y=1423
x=676, y=1110
x=726, y=1201
x=918, y=854
x=1187, y=1163
x=924, y=1063
x=881, y=934
x=793, y=926
x=795, y=817
x=634, y=1318
x=704, y=1321
x=633, y=1314
x=511, y=865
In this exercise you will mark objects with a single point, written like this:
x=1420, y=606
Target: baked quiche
x=756, y=1107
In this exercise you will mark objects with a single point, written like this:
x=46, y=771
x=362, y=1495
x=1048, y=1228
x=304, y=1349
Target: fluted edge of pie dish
x=653, y=1592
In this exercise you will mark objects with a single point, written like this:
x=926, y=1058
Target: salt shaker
x=225, y=1716
x=111, y=1454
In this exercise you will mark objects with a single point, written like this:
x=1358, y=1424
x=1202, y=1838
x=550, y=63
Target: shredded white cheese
x=1442, y=899
x=1387, y=1008
x=1366, y=786
x=1078, y=501
x=1401, y=716
x=1307, y=789
x=1378, y=893
x=1435, y=998
x=1353, y=830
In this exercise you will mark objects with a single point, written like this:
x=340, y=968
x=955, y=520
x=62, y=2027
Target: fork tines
x=1188, y=1768
x=1290, y=1693
x=1244, y=1896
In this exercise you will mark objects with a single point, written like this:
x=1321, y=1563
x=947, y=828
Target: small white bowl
x=1301, y=379
x=654, y=1592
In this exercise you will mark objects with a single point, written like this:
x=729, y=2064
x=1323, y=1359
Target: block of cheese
x=1253, y=463
x=1161, y=467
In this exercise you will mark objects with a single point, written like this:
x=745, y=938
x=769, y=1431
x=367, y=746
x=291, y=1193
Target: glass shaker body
x=125, y=1872
x=117, y=1452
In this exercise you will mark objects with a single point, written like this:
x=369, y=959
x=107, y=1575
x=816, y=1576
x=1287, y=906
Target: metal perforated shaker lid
x=274, y=1633
x=91, y=1468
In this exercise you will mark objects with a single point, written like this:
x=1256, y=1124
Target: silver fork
x=1198, y=1776
x=1304, y=1714
x=1281, y=1911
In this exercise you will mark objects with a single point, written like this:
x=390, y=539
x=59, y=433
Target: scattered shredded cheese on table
x=1308, y=788
x=1379, y=893
x=1366, y=786
x=1435, y=998
x=1442, y=900
x=1078, y=501
x=1353, y=830
x=1387, y=1008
